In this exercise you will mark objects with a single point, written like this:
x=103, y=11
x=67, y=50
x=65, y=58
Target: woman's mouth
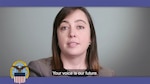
x=72, y=44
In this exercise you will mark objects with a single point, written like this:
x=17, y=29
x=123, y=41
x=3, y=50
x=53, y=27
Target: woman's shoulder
x=106, y=72
x=42, y=61
x=40, y=67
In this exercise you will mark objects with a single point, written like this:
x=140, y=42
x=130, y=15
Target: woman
x=74, y=47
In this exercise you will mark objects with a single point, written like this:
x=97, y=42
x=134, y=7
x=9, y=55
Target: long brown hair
x=92, y=55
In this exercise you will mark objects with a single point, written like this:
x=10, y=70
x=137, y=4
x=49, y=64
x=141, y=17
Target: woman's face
x=74, y=34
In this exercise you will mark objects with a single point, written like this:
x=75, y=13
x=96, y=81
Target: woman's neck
x=74, y=62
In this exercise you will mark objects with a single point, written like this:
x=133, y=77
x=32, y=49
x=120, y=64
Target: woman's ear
x=90, y=43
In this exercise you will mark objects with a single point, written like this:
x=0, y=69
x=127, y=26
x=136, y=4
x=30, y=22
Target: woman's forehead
x=76, y=16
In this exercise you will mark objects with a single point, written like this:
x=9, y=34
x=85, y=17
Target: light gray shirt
x=42, y=68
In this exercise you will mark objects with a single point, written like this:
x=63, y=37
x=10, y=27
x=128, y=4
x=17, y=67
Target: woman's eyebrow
x=64, y=21
x=79, y=20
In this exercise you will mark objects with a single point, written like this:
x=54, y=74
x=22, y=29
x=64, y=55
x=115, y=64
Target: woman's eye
x=80, y=27
x=63, y=28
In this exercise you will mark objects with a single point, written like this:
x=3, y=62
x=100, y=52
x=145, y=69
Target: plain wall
x=122, y=37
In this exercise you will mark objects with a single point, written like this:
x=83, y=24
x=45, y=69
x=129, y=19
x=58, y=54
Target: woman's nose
x=72, y=33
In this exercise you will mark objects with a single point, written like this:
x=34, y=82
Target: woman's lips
x=72, y=44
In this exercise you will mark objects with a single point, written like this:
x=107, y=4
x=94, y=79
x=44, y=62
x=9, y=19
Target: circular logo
x=19, y=67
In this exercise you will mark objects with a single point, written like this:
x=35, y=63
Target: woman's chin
x=75, y=54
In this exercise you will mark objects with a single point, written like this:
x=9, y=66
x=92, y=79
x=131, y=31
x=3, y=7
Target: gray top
x=42, y=68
